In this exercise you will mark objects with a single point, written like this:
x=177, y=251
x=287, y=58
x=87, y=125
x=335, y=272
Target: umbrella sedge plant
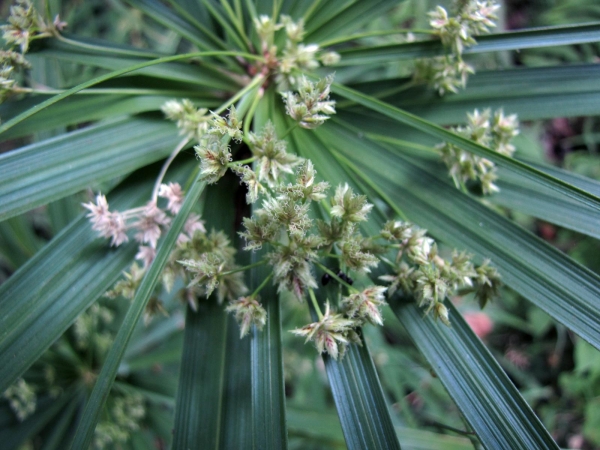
x=274, y=155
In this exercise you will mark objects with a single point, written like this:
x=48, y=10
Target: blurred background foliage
x=556, y=372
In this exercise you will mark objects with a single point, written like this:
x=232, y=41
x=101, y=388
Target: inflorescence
x=449, y=73
x=24, y=25
x=495, y=132
x=296, y=244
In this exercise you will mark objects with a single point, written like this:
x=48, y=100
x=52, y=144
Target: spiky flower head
x=311, y=106
x=488, y=283
x=272, y=155
x=191, y=121
x=248, y=311
x=108, y=224
x=331, y=334
x=365, y=305
x=348, y=206
x=231, y=126
x=215, y=157
x=21, y=398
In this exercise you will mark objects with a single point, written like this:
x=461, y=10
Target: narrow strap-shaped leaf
x=196, y=34
x=213, y=408
x=268, y=389
x=199, y=409
x=360, y=402
x=52, y=169
x=485, y=395
x=532, y=93
x=350, y=19
x=513, y=40
x=547, y=277
x=85, y=431
x=434, y=130
x=533, y=199
x=86, y=108
x=116, y=73
x=522, y=195
x=200, y=75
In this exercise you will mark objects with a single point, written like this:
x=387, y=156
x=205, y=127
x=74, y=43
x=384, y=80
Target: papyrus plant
x=291, y=99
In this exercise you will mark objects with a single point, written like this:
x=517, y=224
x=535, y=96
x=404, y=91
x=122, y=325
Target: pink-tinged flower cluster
x=108, y=224
x=174, y=195
x=149, y=224
x=148, y=221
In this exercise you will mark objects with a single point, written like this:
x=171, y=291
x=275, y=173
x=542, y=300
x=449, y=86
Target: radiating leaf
x=434, y=130
x=483, y=392
x=46, y=171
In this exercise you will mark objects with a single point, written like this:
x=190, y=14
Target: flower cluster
x=296, y=56
x=191, y=121
x=213, y=151
x=419, y=271
x=448, y=73
x=123, y=416
x=21, y=398
x=495, y=132
x=331, y=334
x=24, y=25
x=248, y=311
x=91, y=328
x=311, y=106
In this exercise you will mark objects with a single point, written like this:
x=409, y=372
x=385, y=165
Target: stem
x=103, y=91
x=249, y=266
x=374, y=33
x=165, y=167
x=311, y=10
x=251, y=111
x=313, y=299
x=289, y=130
x=242, y=162
x=382, y=94
x=255, y=82
x=262, y=285
x=100, y=48
x=335, y=277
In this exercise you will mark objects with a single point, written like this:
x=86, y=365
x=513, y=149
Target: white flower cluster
x=296, y=56
x=311, y=106
x=24, y=25
x=449, y=73
x=124, y=414
x=421, y=273
x=495, y=132
x=21, y=398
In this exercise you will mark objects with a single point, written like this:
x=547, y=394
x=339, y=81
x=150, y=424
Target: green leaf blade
x=487, y=398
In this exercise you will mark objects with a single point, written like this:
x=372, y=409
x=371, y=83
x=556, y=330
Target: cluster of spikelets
x=24, y=25
x=495, y=132
x=470, y=18
x=295, y=56
x=420, y=272
x=297, y=243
